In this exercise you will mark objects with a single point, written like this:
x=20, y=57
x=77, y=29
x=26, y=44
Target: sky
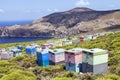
x=17, y=10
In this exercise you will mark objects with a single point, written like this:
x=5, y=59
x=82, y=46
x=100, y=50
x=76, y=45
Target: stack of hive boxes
x=95, y=61
x=2, y=50
x=20, y=47
x=43, y=57
x=6, y=55
x=57, y=56
x=59, y=43
x=88, y=37
x=15, y=50
x=73, y=59
x=31, y=50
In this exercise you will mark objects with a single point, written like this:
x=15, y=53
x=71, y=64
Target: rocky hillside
x=75, y=21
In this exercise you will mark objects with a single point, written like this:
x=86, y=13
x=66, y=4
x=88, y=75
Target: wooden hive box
x=95, y=60
x=31, y=50
x=43, y=57
x=6, y=55
x=16, y=52
x=73, y=59
x=74, y=56
x=57, y=56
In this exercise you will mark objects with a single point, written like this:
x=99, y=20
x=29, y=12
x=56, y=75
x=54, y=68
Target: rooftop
x=95, y=50
x=6, y=52
x=43, y=51
x=74, y=50
x=57, y=51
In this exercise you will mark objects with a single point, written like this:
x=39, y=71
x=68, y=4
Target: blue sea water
x=11, y=23
x=16, y=39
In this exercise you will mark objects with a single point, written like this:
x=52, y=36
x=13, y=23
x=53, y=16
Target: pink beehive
x=2, y=50
x=6, y=55
x=57, y=56
x=73, y=56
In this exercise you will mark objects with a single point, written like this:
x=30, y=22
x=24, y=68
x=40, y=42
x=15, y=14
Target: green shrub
x=63, y=78
x=19, y=75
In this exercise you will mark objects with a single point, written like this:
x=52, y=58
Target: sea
x=11, y=23
x=6, y=40
x=16, y=39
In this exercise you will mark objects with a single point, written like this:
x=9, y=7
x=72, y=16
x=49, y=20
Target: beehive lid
x=20, y=46
x=6, y=52
x=30, y=47
x=96, y=51
x=2, y=49
x=15, y=50
x=43, y=51
x=75, y=50
x=57, y=51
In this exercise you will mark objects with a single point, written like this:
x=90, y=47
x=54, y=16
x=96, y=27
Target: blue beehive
x=20, y=47
x=43, y=57
x=74, y=67
x=30, y=50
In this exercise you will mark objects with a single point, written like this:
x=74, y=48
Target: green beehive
x=95, y=56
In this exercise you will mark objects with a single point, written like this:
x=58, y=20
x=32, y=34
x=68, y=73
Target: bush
x=19, y=75
x=63, y=78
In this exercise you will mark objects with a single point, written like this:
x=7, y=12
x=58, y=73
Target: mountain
x=59, y=24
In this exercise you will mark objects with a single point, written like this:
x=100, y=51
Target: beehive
x=73, y=59
x=73, y=67
x=43, y=57
x=95, y=60
x=2, y=50
x=59, y=43
x=31, y=50
x=75, y=41
x=57, y=56
x=6, y=55
x=20, y=47
x=16, y=52
x=88, y=37
x=66, y=42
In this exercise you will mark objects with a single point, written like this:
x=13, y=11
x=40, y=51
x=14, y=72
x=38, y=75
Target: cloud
x=49, y=10
x=52, y=10
x=31, y=11
x=2, y=11
x=27, y=11
x=82, y=3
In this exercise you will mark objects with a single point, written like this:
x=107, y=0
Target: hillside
x=72, y=22
x=24, y=67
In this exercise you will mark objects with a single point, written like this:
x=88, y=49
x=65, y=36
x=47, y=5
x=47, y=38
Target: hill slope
x=75, y=21
x=27, y=63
